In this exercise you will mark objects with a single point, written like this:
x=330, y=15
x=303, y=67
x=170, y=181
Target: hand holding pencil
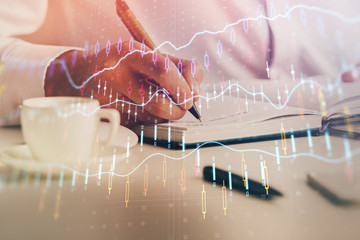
x=140, y=35
x=127, y=86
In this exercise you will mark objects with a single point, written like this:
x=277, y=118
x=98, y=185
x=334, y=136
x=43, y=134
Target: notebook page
x=228, y=111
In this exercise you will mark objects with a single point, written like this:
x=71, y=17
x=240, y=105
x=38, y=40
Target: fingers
x=129, y=120
x=194, y=80
x=132, y=113
x=351, y=76
x=157, y=103
x=193, y=72
x=163, y=73
x=139, y=71
x=144, y=116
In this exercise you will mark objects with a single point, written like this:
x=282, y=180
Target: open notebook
x=231, y=120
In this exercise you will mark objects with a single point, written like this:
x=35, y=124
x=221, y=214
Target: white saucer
x=20, y=157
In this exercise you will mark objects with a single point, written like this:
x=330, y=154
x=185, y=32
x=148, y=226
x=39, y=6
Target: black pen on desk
x=138, y=33
x=236, y=182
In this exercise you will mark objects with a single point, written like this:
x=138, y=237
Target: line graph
x=223, y=92
x=353, y=153
x=336, y=14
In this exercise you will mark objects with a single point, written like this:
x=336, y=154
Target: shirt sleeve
x=23, y=65
x=22, y=72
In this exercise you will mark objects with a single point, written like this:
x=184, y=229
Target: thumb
x=352, y=75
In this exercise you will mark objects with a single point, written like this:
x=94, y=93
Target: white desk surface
x=166, y=213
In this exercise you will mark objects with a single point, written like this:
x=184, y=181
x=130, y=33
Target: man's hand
x=130, y=81
x=352, y=76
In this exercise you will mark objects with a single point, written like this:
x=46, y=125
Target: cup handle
x=114, y=117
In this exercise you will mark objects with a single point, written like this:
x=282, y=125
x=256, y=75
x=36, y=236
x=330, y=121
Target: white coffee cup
x=63, y=129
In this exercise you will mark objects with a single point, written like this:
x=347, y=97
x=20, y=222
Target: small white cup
x=63, y=129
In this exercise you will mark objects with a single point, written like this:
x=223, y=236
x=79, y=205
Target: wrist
x=66, y=73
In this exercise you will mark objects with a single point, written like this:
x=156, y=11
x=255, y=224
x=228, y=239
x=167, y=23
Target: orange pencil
x=138, y=33
x=132, y=24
